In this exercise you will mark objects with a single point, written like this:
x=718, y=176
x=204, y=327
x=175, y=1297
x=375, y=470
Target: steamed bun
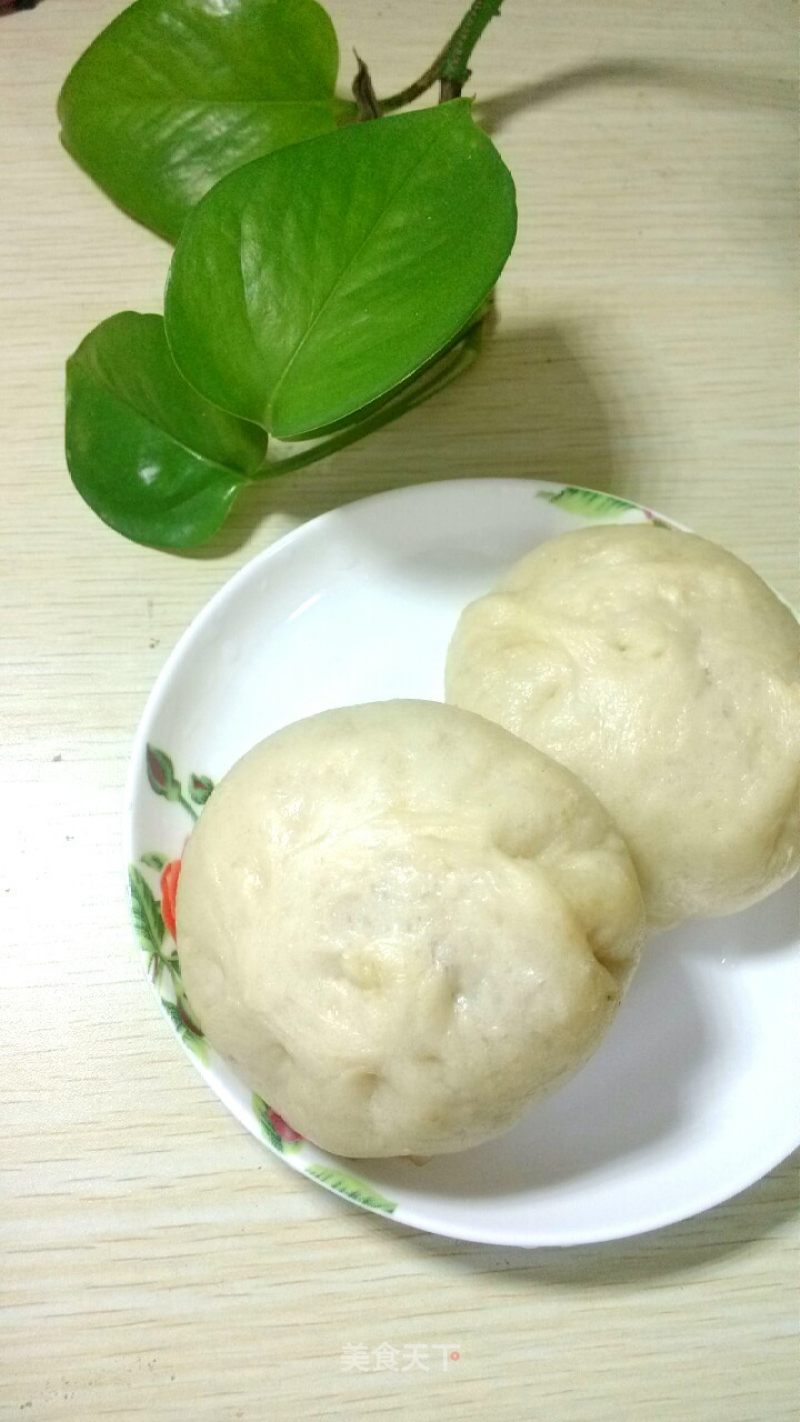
x=402, y=924
x=664, y=673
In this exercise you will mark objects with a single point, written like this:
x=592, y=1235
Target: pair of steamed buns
x=404, y=922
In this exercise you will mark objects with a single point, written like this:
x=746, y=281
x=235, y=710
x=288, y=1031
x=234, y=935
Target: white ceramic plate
x=692, y=1096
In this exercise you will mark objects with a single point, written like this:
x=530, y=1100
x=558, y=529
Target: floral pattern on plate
x=155, y=928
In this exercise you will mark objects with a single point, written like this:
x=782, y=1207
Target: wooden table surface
x=157, y=1263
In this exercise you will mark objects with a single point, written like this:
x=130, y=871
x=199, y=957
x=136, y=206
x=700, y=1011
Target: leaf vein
x=408, y=173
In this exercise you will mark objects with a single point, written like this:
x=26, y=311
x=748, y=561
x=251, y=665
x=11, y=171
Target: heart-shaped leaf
x=153, y=458
x=174, y=94
x=311, y=283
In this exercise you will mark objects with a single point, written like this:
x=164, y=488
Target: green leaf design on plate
x=590, y=503
x=146, y=913
x=174, y=94
x=150, y=456
x=351, y=1188
x=587, y=503
x=308, y=285
x=276, y=1131
x=200, y=787
x=186, y=1030
x=152, y=860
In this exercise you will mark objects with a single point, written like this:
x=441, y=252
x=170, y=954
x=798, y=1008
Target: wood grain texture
x=157, y=1263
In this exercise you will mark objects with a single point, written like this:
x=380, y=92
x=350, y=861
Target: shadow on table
x=534, y=405
x=683, y=1248
x=729, y=87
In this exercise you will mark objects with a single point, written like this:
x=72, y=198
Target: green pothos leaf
x=145, y=912
x=148, y=454
x=161, y=465
x=312, y=283
x=352, y=1188
x=174, y=94
x=285, y=456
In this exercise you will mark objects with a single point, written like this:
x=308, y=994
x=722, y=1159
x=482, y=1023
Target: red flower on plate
x=169, y=888
x=279, y=1125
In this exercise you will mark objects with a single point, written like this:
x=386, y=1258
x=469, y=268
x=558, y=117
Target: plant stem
x=455, y=72
x=420, y=86
x=450, y=64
